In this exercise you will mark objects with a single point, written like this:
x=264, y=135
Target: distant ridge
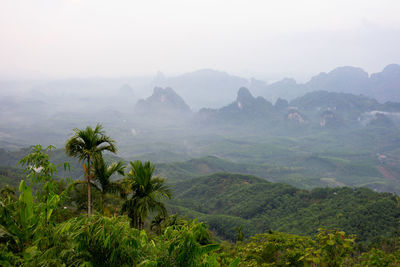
x=246, y=107
x=314, y=110
x=162, y=101
x=383, y=86
x=205, y=88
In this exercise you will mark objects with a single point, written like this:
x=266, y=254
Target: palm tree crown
x=87, y=145
x=146, y=193
x=89, y=142
x=103, y=173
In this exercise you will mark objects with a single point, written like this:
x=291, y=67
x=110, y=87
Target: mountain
x=343, y=79
x=286, y=88
x=204, y=88
x=226, y=201
x=246, y=108
x=383, y=86
x=327, y=109
x=162, y=102
x=337, y=109
x=336, y=101
x=208, y=88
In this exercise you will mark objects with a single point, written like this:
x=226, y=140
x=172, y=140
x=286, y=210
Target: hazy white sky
x=268, y=39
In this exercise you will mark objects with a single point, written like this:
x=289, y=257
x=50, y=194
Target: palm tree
x=88, y=144
x=103, y=173
x=146, y=193
x=157, y=223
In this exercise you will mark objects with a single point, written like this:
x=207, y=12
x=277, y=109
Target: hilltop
x=226, y=201
x=162, y=101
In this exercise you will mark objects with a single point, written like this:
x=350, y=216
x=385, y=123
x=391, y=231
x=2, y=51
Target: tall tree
x=87, y=145
x=146, y=193
x=103, y=173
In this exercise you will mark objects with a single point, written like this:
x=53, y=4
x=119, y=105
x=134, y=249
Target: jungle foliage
x=226, y=201
x=45, y=223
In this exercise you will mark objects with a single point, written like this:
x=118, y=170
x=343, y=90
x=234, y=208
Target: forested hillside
x=226, y=201
x=46, y=225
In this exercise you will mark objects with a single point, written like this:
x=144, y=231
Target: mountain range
x=383, y=86
x=208, y=88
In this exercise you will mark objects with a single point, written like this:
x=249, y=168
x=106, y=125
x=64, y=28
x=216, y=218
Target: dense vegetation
x=226, y=201
x=47, y=222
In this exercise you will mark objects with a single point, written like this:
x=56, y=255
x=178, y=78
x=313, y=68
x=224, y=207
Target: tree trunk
x=102, y=202
x=89, y=199
x=89, y=191
x=142, y=224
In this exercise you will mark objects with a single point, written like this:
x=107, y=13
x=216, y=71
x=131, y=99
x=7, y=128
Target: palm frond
x=116, y=167
x=147, y=191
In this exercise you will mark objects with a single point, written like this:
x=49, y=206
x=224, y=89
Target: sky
x=262, y=39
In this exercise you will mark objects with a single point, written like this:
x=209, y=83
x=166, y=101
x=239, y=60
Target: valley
x=324, y=159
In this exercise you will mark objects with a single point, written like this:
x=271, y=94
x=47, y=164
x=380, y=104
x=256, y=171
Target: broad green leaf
x=208, y=248
x=26, y=203
x=235, y=263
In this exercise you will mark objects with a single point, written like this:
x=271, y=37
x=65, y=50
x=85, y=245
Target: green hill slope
x=226, y=201
x=304, y=171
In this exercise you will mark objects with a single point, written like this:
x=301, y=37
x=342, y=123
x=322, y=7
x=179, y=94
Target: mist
x=178, y=80
x=265, y=40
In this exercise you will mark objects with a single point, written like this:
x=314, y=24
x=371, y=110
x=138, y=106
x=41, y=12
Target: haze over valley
x=199, y=133
x=331, y=132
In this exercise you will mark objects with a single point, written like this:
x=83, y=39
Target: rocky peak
x=163, y=100
x=244, y=98
x=244, y=94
